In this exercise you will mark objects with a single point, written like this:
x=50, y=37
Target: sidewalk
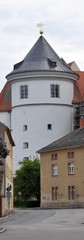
x=16, y=213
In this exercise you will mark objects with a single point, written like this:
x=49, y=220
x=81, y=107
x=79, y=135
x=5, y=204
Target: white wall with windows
x=40, y=90
x=40, y=114
x=30, y=124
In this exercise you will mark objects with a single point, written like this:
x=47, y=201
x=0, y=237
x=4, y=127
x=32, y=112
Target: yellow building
x=62, y=171
x=6, y=173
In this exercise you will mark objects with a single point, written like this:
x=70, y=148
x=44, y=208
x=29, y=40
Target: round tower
x=42, y=94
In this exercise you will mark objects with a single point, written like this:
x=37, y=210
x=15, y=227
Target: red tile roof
x=5, y=98
x=79, y=88
x=69, y=64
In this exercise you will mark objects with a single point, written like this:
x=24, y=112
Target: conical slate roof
x=41, y=57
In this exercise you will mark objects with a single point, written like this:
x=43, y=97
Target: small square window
x=26, y=158
x=24, y=127
x=49, y=126
x=25, y=145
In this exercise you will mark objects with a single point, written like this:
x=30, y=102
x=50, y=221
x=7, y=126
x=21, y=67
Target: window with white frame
x=23, y=91
x=70, y=168
x=54, y=90
x=25, y=145
x=54, y=170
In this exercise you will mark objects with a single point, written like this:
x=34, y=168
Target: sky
x=63, y=25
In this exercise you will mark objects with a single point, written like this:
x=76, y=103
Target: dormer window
x=52, y=63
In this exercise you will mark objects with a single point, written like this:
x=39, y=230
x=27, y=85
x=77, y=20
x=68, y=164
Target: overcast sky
x=63, y=29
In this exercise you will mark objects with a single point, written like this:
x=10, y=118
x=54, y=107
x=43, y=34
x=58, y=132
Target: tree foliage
x=27, y=179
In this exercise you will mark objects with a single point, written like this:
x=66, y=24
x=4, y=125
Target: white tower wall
x=38, y=135
x=39, y=110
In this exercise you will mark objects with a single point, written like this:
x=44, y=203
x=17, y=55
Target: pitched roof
x=73, y=66
x=70, y=64
x=41, y=57
x=79, y=88
x=73, y=139
x=5, y=98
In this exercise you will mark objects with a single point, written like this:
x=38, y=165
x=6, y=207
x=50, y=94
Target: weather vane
x=40, y=25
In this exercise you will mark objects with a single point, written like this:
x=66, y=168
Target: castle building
x=36, y=101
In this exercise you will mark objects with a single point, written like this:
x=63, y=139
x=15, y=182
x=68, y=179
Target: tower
x=41, y=100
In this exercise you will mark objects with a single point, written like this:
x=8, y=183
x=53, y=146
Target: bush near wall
x=26, y=203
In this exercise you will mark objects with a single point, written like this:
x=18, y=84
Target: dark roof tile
x=73, y=139
x=39, y=58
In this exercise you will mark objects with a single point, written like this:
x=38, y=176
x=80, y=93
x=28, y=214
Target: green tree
x=27, y=179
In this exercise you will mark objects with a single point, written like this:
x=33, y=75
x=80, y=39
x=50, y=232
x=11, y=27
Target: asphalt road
x=48, y=224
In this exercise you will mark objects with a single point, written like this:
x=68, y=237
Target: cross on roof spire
x=40, y=25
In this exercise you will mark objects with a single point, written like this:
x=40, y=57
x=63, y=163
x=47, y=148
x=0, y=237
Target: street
x=48, y=224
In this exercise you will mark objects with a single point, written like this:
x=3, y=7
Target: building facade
x=62, y=176
x=6, y=173
x=41, y=89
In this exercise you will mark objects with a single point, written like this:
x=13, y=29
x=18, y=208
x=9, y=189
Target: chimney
x=82, y=122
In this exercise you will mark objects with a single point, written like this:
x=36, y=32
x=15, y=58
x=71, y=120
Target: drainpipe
x=81, y=121
x=4, y=177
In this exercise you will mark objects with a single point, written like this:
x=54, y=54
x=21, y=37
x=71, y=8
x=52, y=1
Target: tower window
x=49, y=126
x=55, y=90
x=24, y=127
x=25, y=145
x=23, y=91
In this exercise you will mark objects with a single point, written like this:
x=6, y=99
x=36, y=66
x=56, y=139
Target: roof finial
x=40, y=25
